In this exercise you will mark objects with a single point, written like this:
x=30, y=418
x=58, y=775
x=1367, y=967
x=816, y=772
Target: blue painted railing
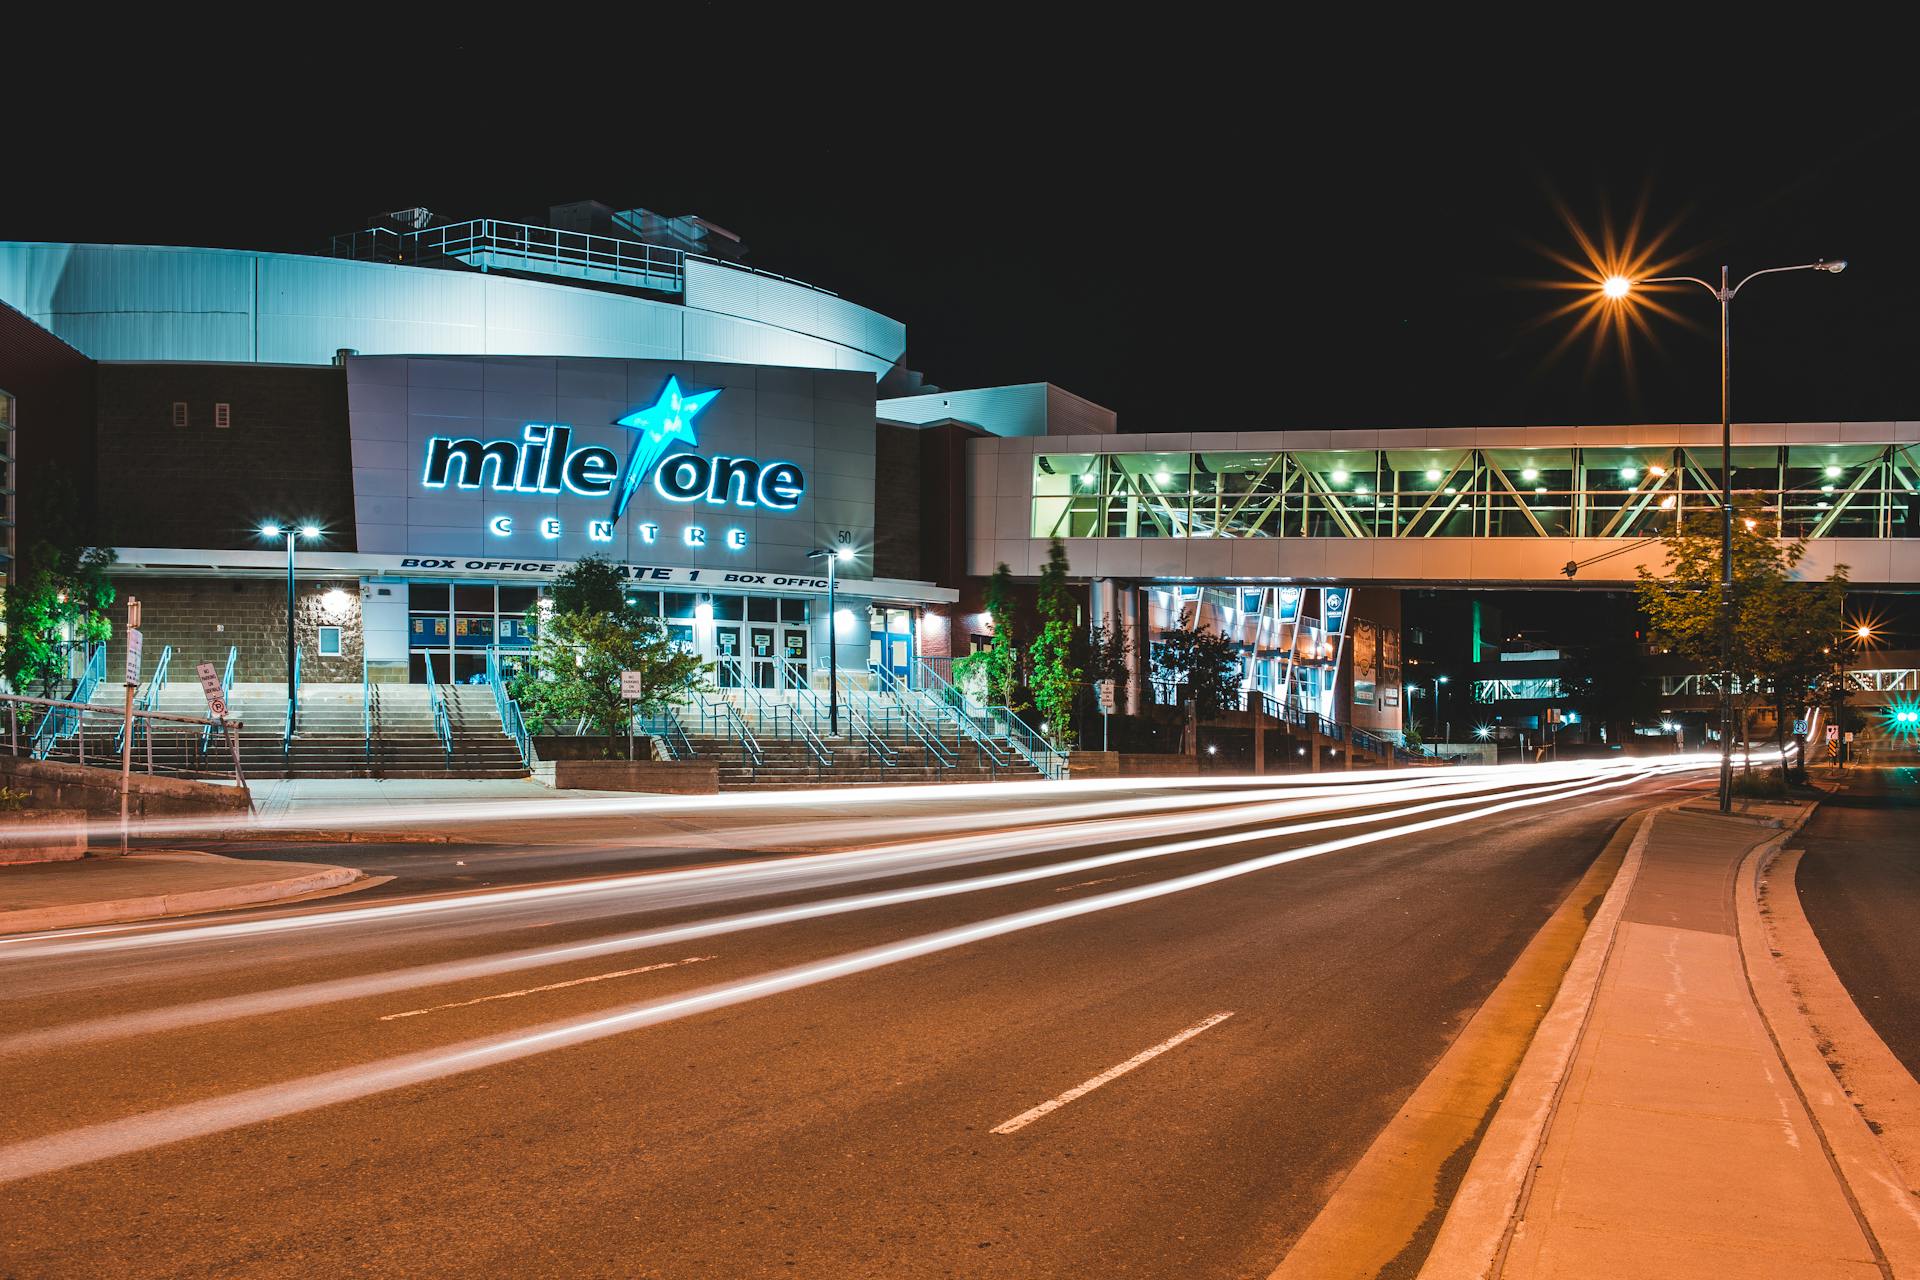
x=63, y=722
x=442, y=723
x=996, y=722
x=511, y=721
x=887, y=683
x=768, y=711
x=665, y=725
x=148, y=696
x=725, y=721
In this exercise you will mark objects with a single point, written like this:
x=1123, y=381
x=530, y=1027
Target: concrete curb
x=1473, y=1237
x=1878, y=1191
x=154, y=906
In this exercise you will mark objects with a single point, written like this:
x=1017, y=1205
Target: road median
x=148, y=886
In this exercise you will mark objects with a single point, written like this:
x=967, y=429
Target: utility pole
x=126, y=719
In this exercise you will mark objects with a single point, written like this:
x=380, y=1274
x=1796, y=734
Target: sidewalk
x=1676, y=1142
x=142, y=886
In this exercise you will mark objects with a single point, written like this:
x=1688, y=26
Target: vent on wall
x=179, y=413
x=223, y=415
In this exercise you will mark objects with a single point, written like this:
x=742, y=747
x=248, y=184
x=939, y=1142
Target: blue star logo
x=663, y=428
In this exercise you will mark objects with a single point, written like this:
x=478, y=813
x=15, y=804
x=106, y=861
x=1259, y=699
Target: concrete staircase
x=331, y=737
x=788, y=763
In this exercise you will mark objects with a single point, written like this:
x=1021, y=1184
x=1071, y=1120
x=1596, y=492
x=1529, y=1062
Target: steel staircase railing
x=511, y=721
x=61, y=722
x=724, y=715
x=766, y=711
x=148, y=696
x=442, y=723
x=293, y=703
x=889, y=684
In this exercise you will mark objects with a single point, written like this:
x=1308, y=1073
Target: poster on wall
x=1366, y=653
x=1333, y=608
x=1390, y=665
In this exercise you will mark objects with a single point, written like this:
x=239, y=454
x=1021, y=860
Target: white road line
x=551, y=986
x=1026, y=1118
x=1065, y=888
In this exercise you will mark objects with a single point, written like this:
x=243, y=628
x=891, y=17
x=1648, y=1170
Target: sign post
x=126, y=720
x=1104, y=691
x=631, y=691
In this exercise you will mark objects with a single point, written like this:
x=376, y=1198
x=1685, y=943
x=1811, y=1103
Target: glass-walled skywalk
x=1811, y=491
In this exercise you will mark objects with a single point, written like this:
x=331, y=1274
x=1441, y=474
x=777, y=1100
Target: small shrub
x=11, y=800
x=1761, y=784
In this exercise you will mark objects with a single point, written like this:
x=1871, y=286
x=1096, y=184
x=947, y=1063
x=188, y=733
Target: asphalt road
x=1859, y=882
x=433, y=1085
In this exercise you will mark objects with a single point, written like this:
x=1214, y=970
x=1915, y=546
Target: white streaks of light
x=551, y=986
x=253, y=1004
x=217, y=1115
x=1108, y=1076
x=996, y=843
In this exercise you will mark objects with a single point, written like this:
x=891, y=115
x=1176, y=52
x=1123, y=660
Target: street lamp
x=1618, y=287
x=834, y=556
x=271, y=530
x=1437, y=682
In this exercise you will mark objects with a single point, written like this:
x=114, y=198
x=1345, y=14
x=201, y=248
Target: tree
x=1775, y=619
x=1797, y=656
x=1205, y=665
x=579, y=652
x=589, y=585
x=60, y=599
x=1056, y=677
x=997, y=666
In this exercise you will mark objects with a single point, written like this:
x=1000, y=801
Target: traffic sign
x=210, y=685
x=632, y=689
x=1104, y=691
x=133, y=656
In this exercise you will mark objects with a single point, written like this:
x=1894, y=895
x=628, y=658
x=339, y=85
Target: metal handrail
x=665, y=725
x=293, y=702
x=512, y=723
x=877, y=748
x=69, y=707
x=951, y=701
x=57, y=724
x=436, y=701
x=1021, y=737
x=936, y=749
x=724, y=712
x=147, y=698
x=764, y=711
x=226, y=695
x=366, y=712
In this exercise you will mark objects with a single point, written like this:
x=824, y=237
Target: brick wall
x=201, y=617
x=897, y=551
x=284, y=457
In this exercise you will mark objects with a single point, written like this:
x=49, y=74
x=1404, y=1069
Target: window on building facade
x=329, y=642
x=179, y=413
x=223, y=415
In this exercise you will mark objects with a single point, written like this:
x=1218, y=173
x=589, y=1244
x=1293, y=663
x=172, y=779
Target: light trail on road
x=227, y=1008
x=213, y=1115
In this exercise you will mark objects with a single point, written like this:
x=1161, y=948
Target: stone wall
x=201, y=617
x=74, y=786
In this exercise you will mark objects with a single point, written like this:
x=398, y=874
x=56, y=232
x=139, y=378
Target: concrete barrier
x=42, y=835
x=54, y=784
x=679, y=778
x=1129, y=764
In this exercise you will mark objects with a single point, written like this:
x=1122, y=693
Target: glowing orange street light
x=1617, y=285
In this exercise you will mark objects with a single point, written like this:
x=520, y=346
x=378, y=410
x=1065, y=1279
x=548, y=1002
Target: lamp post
x=1437, y=682
x=270, y=531
x=833, y=556
x=1618, y=287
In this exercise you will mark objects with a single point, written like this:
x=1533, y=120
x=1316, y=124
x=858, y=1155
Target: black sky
x=1312, y=247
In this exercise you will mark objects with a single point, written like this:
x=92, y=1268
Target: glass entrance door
x=727, y=654
x=760, y=656
x=891, y=646
x=793, y=657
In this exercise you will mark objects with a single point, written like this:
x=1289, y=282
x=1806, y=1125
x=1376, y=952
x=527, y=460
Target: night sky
x=1233, y=255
